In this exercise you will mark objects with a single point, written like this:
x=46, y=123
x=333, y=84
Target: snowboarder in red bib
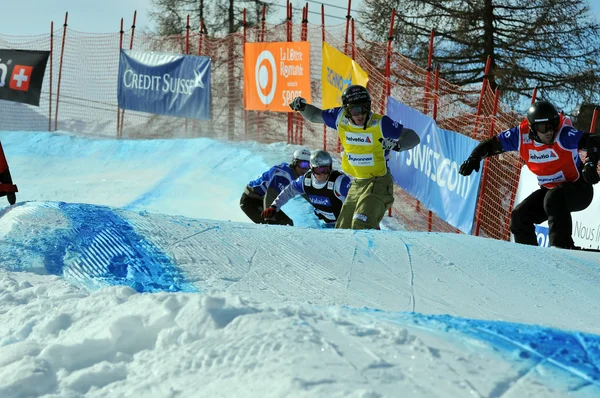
x=550, y=146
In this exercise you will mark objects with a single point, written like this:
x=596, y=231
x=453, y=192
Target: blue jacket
x=275, y=179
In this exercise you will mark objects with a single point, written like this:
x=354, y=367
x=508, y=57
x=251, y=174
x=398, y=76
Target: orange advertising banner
x=274, y=74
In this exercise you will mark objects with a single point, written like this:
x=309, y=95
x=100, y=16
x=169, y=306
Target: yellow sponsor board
x=274, y=74
x=339, y=72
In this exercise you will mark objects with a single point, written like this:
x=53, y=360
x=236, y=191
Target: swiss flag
x=21, y=77
x=23, y=71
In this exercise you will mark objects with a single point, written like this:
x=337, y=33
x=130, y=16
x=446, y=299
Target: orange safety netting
x=81, y=97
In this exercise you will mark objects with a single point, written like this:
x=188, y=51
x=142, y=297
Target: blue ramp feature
x=573, y=355
x=90, y=246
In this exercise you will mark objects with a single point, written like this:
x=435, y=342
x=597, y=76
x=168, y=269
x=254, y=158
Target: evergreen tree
x=550, y=44
x=221, y=17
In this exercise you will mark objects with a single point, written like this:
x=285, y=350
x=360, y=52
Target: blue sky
x=105, y=16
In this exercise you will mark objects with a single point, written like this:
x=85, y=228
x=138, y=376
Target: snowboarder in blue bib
x=323, y=187
x=261, y=192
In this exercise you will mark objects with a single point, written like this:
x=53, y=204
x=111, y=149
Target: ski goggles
x=321, y=170
x=544, y=128
x=356, y=110
x=303, y=164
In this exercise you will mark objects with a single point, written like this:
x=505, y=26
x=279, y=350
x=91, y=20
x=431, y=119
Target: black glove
x=269, y=213
x=390, y=144
x=298, y=104
x=472, y=163
x=590, y=172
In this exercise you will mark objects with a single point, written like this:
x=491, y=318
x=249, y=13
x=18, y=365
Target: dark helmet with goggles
x=356, y=100
x=542, y=118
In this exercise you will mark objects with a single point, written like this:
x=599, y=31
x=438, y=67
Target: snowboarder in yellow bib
x=367, y=138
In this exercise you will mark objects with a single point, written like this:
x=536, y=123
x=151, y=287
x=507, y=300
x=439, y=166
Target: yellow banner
x=274, y=74
x=339, y=72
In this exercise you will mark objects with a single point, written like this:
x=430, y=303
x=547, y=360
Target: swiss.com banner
x=274, y=74
x=429, y=172
x=339, y=72
x=165, y=84
x=22, y=74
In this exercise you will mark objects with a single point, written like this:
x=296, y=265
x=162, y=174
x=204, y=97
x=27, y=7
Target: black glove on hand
x=298, y=104
x=390, y=144
x=269, y=213
x=472, y=163
x=590, y=173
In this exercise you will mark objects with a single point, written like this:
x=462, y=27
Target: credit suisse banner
x=429, y=171
x=339, y=72
x=22, y=74
x=165, y=84
x=274, y=74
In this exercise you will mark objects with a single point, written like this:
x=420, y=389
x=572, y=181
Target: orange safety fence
x=85, y=103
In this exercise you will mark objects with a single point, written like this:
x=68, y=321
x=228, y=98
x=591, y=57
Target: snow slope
x=129, y=270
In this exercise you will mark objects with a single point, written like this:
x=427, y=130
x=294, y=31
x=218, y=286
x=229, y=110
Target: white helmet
x=300, y=155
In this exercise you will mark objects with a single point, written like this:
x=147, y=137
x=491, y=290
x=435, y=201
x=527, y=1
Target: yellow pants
x=367, y=201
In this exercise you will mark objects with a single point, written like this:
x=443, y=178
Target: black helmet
x=542, y=115
x=356, y=95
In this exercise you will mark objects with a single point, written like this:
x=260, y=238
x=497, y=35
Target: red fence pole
x=132, y=30
x=187, y=51
x=436, y=87
x=121, y=32
x=304, y=37
x=130, y=47
x=348, y=16
x=484, y=172
x=51, y=56
x=594, y=118
x=388, y=71
x=353, y=45
x=62, y=53
x=388, y=61
x=187, y=34
x=289, y=38
x=323, y=41
x=262, y=39
x=534, y=95
x=482, y=95
x=428, y=75
x=262, y=23
x=244, y=40
x=201, y=37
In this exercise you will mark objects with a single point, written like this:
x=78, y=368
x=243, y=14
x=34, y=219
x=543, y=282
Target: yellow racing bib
x=363, y=155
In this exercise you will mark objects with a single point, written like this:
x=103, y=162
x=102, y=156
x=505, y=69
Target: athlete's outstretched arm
x=309, y=112
x=489, y=147
x=291, y=191
x=312, y=114
x=486, y=148
x=396, y=137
